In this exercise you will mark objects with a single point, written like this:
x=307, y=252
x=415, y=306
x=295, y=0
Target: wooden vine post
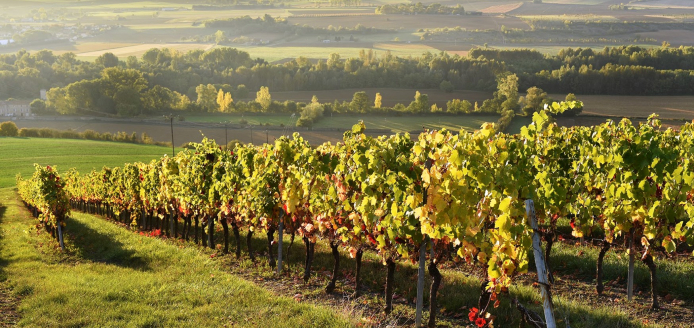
x=60, y=235
x=422, y=265
x=630, y=274
x=542, y=273
x=420, y=282
x=279, y=242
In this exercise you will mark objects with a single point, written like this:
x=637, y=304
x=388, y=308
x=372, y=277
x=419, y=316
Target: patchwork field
x=414, y=22
x=674, y=37
x=395, y=124
x=671, y=107
x=666, y=4
x=501, y=9
x=327, y=129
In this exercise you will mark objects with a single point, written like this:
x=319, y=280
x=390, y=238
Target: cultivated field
x=414, y=22
x=670, y=107
x=665, y=4
x=394, y=124
x=501, y=9
x=327, y=129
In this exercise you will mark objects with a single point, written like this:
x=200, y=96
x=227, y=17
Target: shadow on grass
x=99, y=247
x=3, y=261
x=673, y=278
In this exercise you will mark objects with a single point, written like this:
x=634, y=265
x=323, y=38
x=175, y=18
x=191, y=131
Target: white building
x=15, y=108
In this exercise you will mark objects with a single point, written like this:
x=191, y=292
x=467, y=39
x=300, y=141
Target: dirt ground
x=8, y=307
x=653, y=8
x=675, y=37
x=670, y=107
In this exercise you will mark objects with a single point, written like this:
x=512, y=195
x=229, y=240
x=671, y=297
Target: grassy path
x=112, y=277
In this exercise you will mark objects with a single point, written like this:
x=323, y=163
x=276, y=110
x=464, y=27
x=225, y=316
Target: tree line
x=23, y=74
x=267, y=23
x=624, y=70
x=419, y=8
x=165, y=79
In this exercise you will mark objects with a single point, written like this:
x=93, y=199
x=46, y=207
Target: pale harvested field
x=138, y=50
x=320, y=44
x=666, y=4
x=403, y=46
x=81, y=47
x=474, y=6
x=529, y=8
x=414, y=22
x=501, y=9
x=330, y=11
x=570, y=17
x=452, y=48
x=671, y=107
x=580, y=2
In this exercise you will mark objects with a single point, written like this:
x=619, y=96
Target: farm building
x=15, y=108
x=6, y=42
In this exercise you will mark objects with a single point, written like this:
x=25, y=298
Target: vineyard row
x=465, y=193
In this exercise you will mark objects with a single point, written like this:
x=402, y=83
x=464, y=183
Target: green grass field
x=18, y=155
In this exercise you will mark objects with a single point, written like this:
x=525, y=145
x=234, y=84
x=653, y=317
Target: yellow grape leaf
x=425, y=176
x=505, y=204
x=426, y=228
x=503, y=223
x=419, y=212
